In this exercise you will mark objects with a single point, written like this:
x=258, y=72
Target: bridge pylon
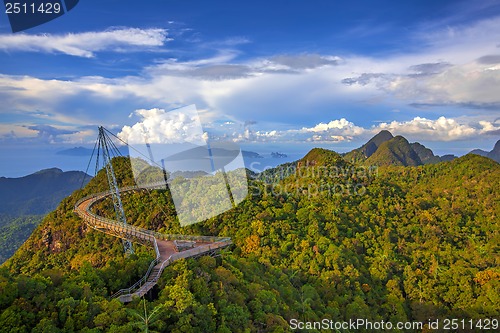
x=104, y=144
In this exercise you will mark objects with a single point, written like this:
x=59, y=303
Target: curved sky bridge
x=168, y=248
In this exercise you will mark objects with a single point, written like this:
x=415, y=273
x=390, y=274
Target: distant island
x=278, y=155
x=251, y=154
x=82, y=151
x=76, y=151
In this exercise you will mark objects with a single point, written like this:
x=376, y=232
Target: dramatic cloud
x=341, y=130
x=281, y=92
x=470, y=83
x=12, y=132
x=363, y=79
x=85, y=44
x=430, y=68
x=335, y=131
x=441, y=129
x=489, y=59
x=43, y=134
x=159, y=126
x=458, y=65
x=300, y=62
x=79, y=136
x=220, y=67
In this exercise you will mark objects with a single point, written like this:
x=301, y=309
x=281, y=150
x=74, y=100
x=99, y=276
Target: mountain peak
x=372, y=145
x=321, y=156
x=497, y=147
x=369, y=148
x=401, y=138
x=479, y=152
x=382, y=136
x=39, y=192
x=396, y=151
x=50, y=170
x=494, y=154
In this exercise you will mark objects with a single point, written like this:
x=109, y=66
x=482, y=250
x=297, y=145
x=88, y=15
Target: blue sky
x=276, y=73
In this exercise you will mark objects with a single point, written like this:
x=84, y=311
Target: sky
x=284, y=74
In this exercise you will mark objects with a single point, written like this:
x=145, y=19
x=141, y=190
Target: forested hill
x=25, y=200
x=494, y=154
x=39, y=192
x=385, y=149
x=367, y=150
x=409, y=244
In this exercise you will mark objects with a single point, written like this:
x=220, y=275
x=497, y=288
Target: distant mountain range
x=27, y=199
x=494, y=154
x=386, y=149
x=38, y=193
x=411, y=243
x=76, y=151
x=82, y=151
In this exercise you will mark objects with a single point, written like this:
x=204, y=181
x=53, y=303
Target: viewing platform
x=168, y=248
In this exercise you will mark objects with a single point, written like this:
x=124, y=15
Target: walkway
x=167, y=247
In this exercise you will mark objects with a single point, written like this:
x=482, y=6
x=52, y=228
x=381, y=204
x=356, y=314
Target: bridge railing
x=83, y=209
x=100, y=196
x=146, y=283
x=139, y=283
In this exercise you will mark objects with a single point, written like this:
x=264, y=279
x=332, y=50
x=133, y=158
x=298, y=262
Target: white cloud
x=14, y=132
x=85, y=44
x=472, y=83
x=462, y=42
x=329, y=138
x=158, y=126
x=340, y=126
x=340, y=138
x=334, y=131
x=441, y=129
x=342, y=130
x=451, y=66
x=78, y=137
x=489, y=127
x=223, y=66
x=284, y=89
x=32, y=133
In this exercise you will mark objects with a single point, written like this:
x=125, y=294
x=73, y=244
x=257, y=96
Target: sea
x=22, y=160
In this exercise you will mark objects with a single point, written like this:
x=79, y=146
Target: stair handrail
x=94, y=220
x=173, y=257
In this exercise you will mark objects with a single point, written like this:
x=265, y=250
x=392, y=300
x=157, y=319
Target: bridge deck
x=165, y=246
x=166, y=249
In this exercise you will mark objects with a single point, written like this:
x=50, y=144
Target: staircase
x=165, y=245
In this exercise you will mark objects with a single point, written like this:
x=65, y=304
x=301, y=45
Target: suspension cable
x=88, y=166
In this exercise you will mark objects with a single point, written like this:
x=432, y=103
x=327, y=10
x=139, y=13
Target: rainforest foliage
x=321, y=238
x=14, y=231
x=26, y=200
